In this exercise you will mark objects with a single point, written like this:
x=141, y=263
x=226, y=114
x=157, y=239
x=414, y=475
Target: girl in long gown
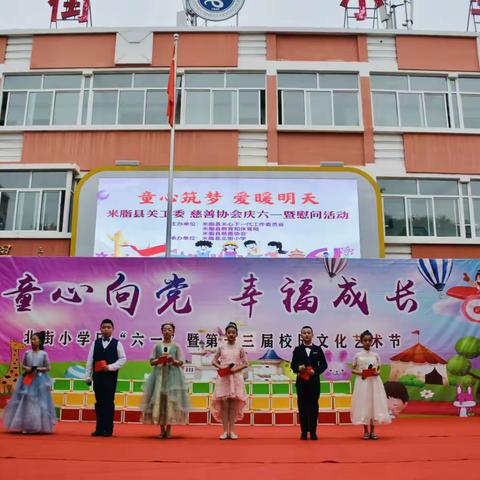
x=229, y=399
x=369, y=400
x=165, y=400
x=31, y=408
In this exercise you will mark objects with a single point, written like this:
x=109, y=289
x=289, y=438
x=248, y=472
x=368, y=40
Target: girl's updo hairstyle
x=231, y=325
x=41, y=336
x=366, y=333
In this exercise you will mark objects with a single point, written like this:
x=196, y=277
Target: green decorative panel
x=260, y=389
x=341, y=387
x=62, y=384
x=123, y=386
x=80, y=386
x=324, y=387
x=280, y=388
x=137, y=387
x=200, y=388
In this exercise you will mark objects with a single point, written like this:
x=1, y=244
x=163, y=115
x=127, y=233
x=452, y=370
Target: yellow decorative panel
x=280, y=403
x=260, y=403
x=134, y=401
x=199, y=402
x=343, y=402
x=90, y=399
x=58, y=399
x=294, y=402
x=74, y=399
x=325, y=402
x=119, y=399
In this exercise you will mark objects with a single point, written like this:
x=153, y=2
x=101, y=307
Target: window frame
x=448, y=103
x=307, y=91
x=235, y=125
x=461, y=222
x=41, y=89
x=62, y=218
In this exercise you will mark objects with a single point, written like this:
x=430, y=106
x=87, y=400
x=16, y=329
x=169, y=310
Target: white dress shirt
x=308, y=349
x=113, y=367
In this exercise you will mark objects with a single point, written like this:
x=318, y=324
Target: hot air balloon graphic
x=435, y=271
x=334, y=266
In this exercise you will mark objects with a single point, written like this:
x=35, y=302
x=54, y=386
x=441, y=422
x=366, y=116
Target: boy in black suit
x=308, y=363
x=105, y=358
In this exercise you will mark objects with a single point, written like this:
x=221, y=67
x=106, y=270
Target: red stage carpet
x=411, y=448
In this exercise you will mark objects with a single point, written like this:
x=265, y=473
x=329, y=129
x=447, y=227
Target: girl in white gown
x=369, y=400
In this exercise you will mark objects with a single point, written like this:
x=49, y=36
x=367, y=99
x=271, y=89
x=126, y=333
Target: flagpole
x=172, y=154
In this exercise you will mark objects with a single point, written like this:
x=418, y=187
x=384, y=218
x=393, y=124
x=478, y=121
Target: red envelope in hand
x=369, y=372
x=223, y=372
x=163, y=360
x=99, y=365
x=28, y=378
x=306, y=374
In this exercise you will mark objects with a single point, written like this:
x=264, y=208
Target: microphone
x=165, y=349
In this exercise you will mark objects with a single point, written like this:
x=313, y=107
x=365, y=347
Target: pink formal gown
x=231, y=386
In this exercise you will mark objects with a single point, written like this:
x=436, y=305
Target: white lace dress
x=369, y=401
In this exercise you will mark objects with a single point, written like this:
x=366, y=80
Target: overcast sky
x=429, y=14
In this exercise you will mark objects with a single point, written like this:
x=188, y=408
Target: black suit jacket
x=316, y=359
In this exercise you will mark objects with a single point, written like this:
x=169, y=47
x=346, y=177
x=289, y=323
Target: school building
x=403, y=106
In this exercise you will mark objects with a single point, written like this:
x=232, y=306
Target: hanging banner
x=423, y=314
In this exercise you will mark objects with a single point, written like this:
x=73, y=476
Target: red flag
x=362, y=12
x=416, y=332
x=171, y=91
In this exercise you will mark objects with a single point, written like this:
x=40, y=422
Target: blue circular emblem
x=215, y=10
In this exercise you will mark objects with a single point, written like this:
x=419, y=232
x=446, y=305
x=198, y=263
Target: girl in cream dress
x=369, y=400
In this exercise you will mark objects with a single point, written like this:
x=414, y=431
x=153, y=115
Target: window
x=41, y=99
x=224, y=99
x=411, y=101
x=128, y=99
x=318, y=99
x=134, y=98
x=475, y=191
x=424, y=208
x=34, y=200
x=470, y=101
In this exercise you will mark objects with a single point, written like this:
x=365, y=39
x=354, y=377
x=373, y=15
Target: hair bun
x=231, y=325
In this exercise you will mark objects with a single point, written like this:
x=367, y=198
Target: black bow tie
x=105, y=339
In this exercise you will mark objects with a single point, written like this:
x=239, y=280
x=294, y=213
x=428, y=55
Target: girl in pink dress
x=229, y=399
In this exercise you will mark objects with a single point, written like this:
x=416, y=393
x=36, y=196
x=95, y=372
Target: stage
x=413, y=448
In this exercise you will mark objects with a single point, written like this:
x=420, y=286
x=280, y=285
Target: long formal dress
x=31, y=407
x=369, y=400
x=166, y=392
x=231, y=386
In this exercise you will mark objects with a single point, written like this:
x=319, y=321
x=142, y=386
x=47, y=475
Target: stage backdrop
x=420, y=313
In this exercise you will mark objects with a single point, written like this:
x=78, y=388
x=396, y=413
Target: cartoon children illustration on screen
x=204, y=248
x=229, y=250
x=253, y=250
x=275, y=250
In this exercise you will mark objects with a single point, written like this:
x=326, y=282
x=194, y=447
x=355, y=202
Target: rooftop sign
x=215, y=10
